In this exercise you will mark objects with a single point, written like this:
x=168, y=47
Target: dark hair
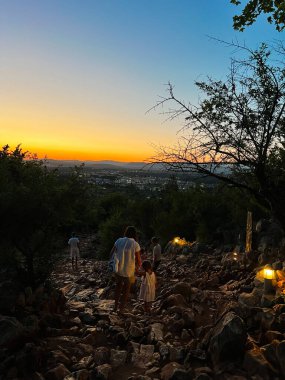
x=146, y=265
x=131, y=232
x=154, y=240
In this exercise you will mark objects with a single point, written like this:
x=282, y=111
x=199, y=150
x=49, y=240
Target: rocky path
x=98, y=343
x=207, y=323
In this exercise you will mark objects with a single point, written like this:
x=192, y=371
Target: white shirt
x=73, y=242
x=126, y=249
x=157, y=252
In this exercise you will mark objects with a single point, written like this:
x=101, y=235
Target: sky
x=77, y=78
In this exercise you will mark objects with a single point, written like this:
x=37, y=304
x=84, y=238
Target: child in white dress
x=148, y=284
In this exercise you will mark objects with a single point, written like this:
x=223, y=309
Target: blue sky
x=77, y=77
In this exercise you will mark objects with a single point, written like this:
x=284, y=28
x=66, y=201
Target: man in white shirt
x=127, y=252
x=73, y=242
x=156, y=253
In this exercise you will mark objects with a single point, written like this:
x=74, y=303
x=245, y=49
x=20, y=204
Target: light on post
x=269, y=275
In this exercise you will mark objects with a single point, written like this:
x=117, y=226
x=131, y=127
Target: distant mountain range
x=105, y=164
x=117, y=165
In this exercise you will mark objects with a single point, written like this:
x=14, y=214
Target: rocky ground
x=210, y=320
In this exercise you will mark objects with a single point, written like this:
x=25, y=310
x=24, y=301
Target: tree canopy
x=275, y=9
x=37, y=207
x=237, y=132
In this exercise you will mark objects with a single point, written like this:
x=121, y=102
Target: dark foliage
x=37, y=206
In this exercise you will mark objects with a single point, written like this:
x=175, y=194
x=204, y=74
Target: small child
x=73, y=242
x=147, y=290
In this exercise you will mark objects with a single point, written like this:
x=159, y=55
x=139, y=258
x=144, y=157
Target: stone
x=101, y=355
x=83, y=363
x=82, y=374
x=206, y=370
x=182, y=259
x=31, y=325
x=228, y=339
x=269, y=352
x=267, y=300
x=118, y=358
x=182, y=288
x=168, y=370
x=181, y=374
x=37, y=376
x=164, y=350
x=267, y=319
x=252, y=299
x=87, y=318
x=205, y=376
x=60, y=357
x=255, y=364
x=280, y=352
x=12, y=332
x=156, y=333
x=174, y=300
x=135, y=331
x=273, y=335
x=144, y=356
x=103, y=372
x=95, y=339
x=177, y=354
x=176, y=326
x=152, y=371
x=21, y=300
x=188, y=318
x=57, y=373
x=185, y=335
x=9, y=292
x=281, y=321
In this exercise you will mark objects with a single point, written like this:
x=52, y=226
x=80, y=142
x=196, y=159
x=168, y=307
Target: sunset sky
x=78, y=76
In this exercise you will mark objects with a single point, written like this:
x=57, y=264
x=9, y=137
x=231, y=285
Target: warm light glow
x=268, y=273
x=176, y=240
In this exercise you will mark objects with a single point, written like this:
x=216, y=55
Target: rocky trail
x=209, y=321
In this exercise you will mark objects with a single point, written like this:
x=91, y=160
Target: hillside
x=210, y=320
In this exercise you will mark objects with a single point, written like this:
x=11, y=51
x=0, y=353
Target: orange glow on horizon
x=65, y=154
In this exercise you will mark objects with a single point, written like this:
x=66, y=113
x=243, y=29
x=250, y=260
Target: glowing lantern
x=269, y=275
x=176, y=240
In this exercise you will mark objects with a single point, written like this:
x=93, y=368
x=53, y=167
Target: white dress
x=147, y=289
x=74, y=250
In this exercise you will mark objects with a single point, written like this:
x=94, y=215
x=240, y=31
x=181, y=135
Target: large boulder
x=57, y=373
x=168, y=370
x=182, y=288
x=256, y=364
x=12, y=332
x=174, y=300
x=252, y=299
x=269, y=234
x=228, y=339
x=9, y=296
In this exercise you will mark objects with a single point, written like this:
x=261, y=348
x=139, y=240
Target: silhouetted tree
x=36, y=204
x=237, y=132
x=254, y=8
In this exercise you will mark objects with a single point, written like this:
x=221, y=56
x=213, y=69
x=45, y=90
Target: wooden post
x=248, y=240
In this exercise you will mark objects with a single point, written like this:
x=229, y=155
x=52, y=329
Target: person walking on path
x=148, y=285
x=127, y=253
x=73, y=243
x=156, y=253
